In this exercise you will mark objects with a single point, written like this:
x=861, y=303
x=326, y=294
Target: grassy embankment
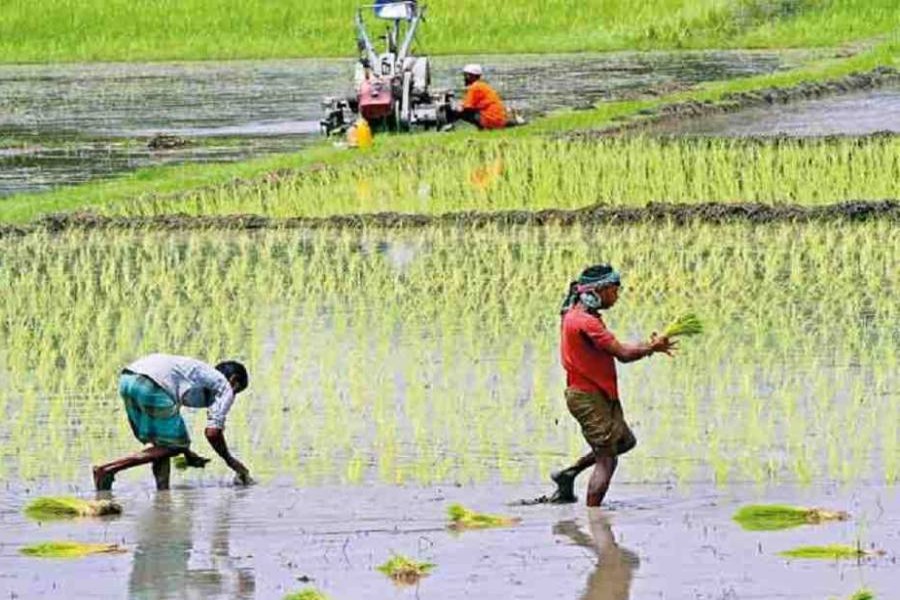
x=117, y=30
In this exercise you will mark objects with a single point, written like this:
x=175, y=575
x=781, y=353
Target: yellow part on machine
x=360, y=135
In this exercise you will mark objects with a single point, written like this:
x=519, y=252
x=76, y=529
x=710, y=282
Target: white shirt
x=190, y=382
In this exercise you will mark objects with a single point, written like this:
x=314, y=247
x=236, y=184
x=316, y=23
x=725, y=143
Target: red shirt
x=585, y=352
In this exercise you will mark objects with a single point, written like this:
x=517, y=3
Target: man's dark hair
x=595, y=272
x=232, y=368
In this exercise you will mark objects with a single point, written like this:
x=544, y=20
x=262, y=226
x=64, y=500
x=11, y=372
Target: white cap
x=473, y=69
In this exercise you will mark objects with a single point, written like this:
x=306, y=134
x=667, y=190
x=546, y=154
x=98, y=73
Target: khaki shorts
x=602, y=422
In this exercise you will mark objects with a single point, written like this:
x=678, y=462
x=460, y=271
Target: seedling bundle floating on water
x=832, y=552
x=462, y=518
x=69, y=549
x=403, y=569
x=687, y=324
x=68, y=507
x=307, y=594
x=771, y=517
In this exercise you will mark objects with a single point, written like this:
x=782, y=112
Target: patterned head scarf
x=585, y=288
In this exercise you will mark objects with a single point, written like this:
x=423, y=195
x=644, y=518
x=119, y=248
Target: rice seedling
x=863, y=595
x=421, y=376
x=405, y=570
x=462, y=518
x=69, y=549
x=67, y=507
x=771, y=517
x=831, y=552
x=685, y=325
x=307, y=594
x=536, y=173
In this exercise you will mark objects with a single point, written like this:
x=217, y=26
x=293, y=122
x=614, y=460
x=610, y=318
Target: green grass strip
x=122, y=30
x=609, y=114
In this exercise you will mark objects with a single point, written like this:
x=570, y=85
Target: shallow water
x=206, y=540
x=65, y=124
x=857, y=113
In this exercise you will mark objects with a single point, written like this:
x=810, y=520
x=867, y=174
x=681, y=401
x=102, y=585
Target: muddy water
x=206, y=540
x=851, y=114
x=68, y=124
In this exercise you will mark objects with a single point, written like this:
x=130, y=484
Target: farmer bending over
x=481, y=105
x=154, y=389
x=589, y=352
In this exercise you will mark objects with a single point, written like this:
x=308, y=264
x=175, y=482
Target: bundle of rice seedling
x=832, y=552
x=403, y=569
x=686, y=324
x=463, y=518
x=307, y=594
x=771, y=517
x=69, y=549
x=863, y=595
x=67, y=507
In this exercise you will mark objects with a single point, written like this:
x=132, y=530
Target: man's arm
x=216, y=439
x=627, y=353
x=601, y=337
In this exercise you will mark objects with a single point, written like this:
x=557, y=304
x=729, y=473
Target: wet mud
x=849, y=114
x=708, y=212
x=768, y=97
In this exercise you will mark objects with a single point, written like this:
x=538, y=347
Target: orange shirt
x=482, y=97
x=585, y=352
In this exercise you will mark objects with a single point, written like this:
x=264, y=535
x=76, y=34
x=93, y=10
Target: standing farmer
x=589, y=352
x=154, y=389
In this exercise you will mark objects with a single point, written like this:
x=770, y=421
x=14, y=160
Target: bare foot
x=102, y=480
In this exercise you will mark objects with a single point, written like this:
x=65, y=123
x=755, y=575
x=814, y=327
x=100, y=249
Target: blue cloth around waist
x=153, y=414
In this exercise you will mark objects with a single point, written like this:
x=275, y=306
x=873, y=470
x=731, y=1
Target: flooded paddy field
x=858, y=113
x=394, y=373
x=68, y=124
x=202, y=540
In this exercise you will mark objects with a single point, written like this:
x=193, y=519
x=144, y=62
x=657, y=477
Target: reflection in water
x=611, y=579
x=163, y=556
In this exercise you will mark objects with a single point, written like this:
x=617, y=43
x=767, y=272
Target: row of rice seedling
x=431, y=355
x=203, y=29
x=536, y=173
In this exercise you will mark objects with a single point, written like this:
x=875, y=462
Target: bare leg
x=565, y=479
x=600, y=479
x=104, y=474
x=161, y=469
